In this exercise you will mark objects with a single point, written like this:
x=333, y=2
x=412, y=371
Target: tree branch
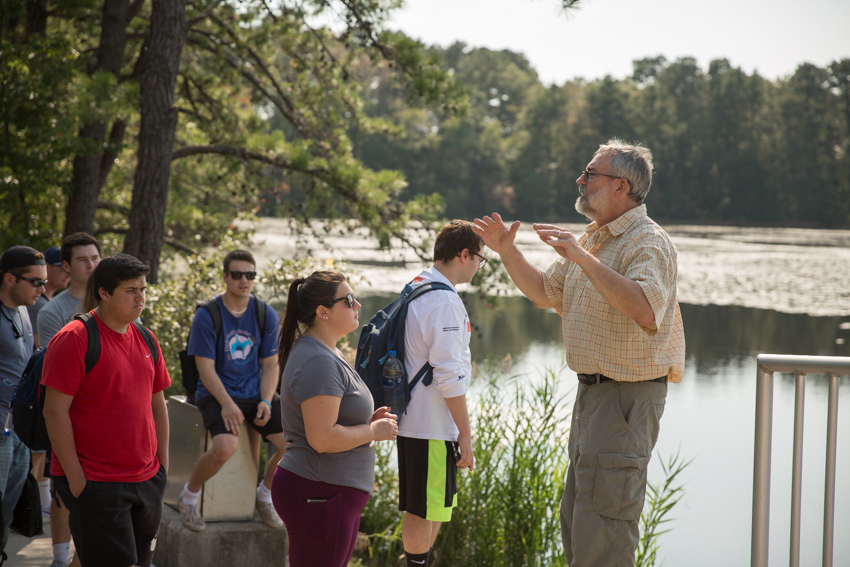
x=281, y=162
x=110, y=206
x=204, y=14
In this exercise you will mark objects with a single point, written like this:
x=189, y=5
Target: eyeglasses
x=482, y=261
x=588, y=175
x=236, y=275
x=349, y=297
x=34, y=282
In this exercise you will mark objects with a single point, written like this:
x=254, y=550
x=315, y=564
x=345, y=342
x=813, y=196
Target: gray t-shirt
x=35, y=308
x=56, y=314
x=14, y=353
x=314, y=370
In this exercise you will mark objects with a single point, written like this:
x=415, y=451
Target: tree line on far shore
x=729, y=147
x=154, y=125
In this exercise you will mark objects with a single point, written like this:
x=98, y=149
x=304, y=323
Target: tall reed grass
x=507, y=514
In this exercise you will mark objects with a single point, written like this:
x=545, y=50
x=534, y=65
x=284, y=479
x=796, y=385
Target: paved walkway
x=31, y=552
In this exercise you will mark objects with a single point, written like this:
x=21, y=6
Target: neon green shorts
x=427, y=471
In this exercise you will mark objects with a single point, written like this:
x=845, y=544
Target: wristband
x=268, y=402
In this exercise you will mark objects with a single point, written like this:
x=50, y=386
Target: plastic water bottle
x=393, y=385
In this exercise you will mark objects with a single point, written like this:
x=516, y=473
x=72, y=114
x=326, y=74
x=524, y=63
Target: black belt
x=591, y=379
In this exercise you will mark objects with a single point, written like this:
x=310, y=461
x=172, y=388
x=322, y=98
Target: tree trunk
x=90, y=167
x=158, y=78
x=36, y=18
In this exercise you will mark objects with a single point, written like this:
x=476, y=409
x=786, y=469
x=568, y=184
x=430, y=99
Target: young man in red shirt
x=109, y=427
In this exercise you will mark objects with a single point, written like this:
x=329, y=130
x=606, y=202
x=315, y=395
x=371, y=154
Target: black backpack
x=188, y=367
x=28, y=400
x=385, y=332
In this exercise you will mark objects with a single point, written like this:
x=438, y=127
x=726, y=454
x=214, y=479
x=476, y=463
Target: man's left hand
x=562, y=240
x=264, y=414
x=466, y=460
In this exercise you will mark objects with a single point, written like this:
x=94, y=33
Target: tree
x=243, y=64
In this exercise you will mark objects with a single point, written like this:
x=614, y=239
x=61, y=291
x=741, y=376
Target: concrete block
x=230, y=494
x=222, y=544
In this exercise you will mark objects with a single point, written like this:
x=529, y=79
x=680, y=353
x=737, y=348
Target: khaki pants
x=614, y=429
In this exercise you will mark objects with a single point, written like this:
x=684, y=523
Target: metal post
x=797, y=469
x=829, y=483
x=761, y=468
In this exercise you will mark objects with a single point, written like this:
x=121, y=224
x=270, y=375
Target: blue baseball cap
x=52, y=257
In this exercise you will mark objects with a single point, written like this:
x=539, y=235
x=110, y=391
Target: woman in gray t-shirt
x=326, y=476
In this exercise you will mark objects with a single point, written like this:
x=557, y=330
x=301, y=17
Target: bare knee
x=224, y=446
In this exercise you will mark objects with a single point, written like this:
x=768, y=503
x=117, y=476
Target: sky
x=603, y=37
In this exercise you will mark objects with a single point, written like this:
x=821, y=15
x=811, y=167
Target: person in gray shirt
x=80, y=254
x=327, y=474
x=57, y=280
x=22, y=278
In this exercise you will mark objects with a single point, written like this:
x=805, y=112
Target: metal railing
x=833, y=367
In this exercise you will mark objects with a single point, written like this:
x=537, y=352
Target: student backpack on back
x=28, y=399
x=188, y=367
x=385, y=332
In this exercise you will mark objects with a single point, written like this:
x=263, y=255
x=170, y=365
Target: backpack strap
x=93, y=347
x=260, y=306
x=426, y=374
x=149, y=340
x=425, y=288
x=211, y=305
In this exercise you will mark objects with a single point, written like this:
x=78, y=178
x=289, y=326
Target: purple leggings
x=321, y=519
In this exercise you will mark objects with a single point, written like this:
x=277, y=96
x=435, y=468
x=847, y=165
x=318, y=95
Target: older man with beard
x=615, y=289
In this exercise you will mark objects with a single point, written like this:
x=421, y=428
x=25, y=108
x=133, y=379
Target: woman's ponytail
x=289, y=328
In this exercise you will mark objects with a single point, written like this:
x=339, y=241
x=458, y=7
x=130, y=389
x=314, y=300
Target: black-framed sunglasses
x=237, y=275
x=482, y=261
x=588, y=175
x=349, y=297
x=34, y=282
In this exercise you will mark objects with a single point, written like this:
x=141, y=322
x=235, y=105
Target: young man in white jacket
x=434, y=437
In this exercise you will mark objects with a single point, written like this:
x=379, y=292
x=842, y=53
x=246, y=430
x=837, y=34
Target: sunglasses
x=34, y=282
x=236, y=275
x=348, y=297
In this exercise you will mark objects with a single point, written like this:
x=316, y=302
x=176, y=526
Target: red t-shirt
x=114, y=429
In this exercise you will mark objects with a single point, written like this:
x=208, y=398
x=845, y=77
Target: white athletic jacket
x=437, y=331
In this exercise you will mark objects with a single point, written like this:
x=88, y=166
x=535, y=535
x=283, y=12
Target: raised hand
x=561, y=239
x=495, y=234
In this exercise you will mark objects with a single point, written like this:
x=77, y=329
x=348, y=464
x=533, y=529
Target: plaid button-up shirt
x=598, y=338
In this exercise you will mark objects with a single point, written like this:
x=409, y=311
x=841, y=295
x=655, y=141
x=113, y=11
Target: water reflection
x=716, y=336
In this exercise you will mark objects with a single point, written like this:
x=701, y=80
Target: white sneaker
x=191, y=516
x=269, y=515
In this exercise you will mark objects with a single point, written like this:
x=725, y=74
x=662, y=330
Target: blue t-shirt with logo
x=239, y=350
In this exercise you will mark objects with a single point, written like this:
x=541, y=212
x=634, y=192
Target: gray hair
x=632, y=162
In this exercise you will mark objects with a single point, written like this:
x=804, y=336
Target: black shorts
x=211, y=414
x=115, y=523
x=427, y=477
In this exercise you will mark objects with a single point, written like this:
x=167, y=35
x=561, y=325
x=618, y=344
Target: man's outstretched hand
x=495, y=234
x=561, y=239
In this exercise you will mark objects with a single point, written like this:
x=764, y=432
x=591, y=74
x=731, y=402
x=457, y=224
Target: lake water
x=744, y=291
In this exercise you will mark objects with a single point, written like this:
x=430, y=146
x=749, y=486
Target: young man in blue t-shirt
x=239, y=376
